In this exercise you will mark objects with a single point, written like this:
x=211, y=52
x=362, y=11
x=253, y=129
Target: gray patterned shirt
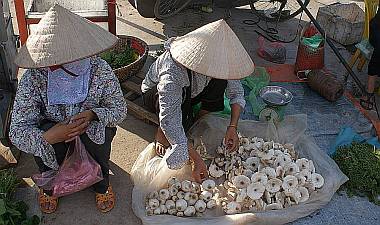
x=104, y=97
x=170, y=78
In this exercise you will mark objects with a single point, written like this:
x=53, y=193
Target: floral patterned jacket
x=105, y=98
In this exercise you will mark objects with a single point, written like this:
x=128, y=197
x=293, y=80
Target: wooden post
x=112, y=16
x=21, y=20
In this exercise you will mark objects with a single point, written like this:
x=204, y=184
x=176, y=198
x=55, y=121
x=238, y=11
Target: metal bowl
x=275, y=95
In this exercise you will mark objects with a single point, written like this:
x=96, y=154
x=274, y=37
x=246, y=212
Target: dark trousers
x=100, y=153
x=211, y=99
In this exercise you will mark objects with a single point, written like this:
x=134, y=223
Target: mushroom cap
x=278, y=153
x=252, y=163
x=170, y=204
x=244, y=141
x=153, y=194
x=291, y=168
x=289, y=182
x=279, y=161
x=301, y=179
x=200, y=206
x=206, y=196
x=303, y=163
x=181, y=194
x=189, y=211
x=195, y=187
x=186, y=185
x=233, y=207
x=269, y=154
x=280, y=172
x=241, y=181
x=164, y=194
x=306, y=173
x=172, y=180
x=163, y=208
x=211, y=204
x=173, y=190
x=172, y=211
x=317, y=180
x=181, y=205
x=304, y=194
x=273, y=206
x=187, y=196
x=273, y=185
x=214, y=171
x=269, y=171
x=247, y=172
x=255, y=190
x=208, y=185
x=259, y=177
x=154, y=203
x=180, y=214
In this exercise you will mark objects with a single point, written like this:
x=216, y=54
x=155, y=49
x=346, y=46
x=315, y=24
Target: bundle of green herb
x=12, y=212
x=361, y=164
x=118, y=60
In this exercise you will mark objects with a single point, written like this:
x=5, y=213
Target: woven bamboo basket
x=125, y=72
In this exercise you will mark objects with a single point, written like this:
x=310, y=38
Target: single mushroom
x=163, y=194
x=189, y=211
x=303, y=164
x=211, y=204
x=193, y=199
x=173, y=190
x=181, y=195
x=301, y=179
x=157, y=211
x=214, y=171
x=255, y=190
x=233, y=208
x=304, y=194
x=200, y=206
x=149, y=212
x=291, y=168
x=172, y=181
x=241, y=181
x=163, y=209
x=268, y=154
x=206, y=196
x=289, y=182
x=181, y=205
x=268, y=197
x=208, y=185
x=259, y=177
x=317, y=180
x=252, y=163
x=172, y=211
x=187, y=196
x=280, y=172
x=247, y=172
x=241, y=195
x=273, y=185
x=186, y=186
x=154, y=203
x=195, y=187
x=180, y=214
x=269, y=171
x=153, y=194
x=170, y=204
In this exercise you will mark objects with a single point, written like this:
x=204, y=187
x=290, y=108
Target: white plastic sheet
x=151, y=173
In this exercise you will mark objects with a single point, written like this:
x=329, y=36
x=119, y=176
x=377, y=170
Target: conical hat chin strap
x=56, y=67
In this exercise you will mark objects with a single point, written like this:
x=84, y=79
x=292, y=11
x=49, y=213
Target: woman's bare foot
x=161, y=142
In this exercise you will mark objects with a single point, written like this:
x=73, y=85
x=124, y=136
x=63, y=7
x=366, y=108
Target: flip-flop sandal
x=102, y=199
x=44, y=199
x=162, y=146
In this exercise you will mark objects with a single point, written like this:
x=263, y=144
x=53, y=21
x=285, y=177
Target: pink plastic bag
x=271, y=51
x=77, y=172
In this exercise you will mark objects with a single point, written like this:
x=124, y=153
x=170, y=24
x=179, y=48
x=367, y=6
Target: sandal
x=45, y=199
x=102, y=199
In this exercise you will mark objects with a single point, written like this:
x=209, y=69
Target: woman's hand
x=199, y=168
x=64, y=132
x=231, y=140
x=87, y=116
x=199, y=171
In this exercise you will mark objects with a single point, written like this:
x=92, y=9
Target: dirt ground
x=133, y=135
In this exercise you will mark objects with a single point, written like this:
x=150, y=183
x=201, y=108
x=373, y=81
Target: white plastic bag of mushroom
x=277, y=175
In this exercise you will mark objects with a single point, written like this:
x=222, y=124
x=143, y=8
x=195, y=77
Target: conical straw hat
x=213, y=50
x=62, y=37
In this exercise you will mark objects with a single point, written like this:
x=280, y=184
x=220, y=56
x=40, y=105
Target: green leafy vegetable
x=120, y=59
x=12, y=212
x=361, y=163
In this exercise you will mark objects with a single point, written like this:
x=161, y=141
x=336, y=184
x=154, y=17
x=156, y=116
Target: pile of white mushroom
x=182, y=198
x=263, y=175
